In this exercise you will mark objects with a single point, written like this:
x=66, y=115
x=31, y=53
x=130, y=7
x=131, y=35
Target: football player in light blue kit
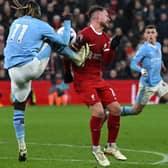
x=148, y=62
x=26, y=57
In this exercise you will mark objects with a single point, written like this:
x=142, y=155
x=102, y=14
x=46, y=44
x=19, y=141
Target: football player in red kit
x=97, y=93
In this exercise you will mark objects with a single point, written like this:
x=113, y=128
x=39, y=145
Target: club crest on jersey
x=105, y=47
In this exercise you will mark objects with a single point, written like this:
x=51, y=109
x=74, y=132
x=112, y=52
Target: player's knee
x=115, y=109
x=137, y=111
x=100, y=114
x=19, y=105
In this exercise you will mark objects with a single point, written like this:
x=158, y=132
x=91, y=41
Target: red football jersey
x=100, y=52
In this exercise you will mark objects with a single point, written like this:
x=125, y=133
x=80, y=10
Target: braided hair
x=29, y=7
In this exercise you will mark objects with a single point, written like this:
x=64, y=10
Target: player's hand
x=67, y=16
x=83, y=54
x=144, y=72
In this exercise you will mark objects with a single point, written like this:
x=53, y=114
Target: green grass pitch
x=59, y=137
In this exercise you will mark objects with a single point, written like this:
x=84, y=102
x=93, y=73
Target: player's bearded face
x=104, y=19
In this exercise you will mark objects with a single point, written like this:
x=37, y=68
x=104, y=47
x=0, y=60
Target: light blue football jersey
x=26, y=36
x=149, y=57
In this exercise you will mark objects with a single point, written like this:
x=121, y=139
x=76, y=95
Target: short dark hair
x=150, y=27
x=94, y=9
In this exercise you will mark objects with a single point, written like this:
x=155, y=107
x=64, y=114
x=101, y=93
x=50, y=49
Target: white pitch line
x=61, y=145
x=70, y=160
x=73, y=160
x=48, y=159
x=162, y=161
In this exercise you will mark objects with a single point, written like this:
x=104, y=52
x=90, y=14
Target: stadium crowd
x=128, y=19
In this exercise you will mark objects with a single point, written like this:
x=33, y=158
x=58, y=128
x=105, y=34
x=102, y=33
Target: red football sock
x=113, y=124
x=95, y=128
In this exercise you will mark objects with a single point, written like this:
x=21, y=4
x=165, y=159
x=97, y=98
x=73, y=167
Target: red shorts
x=95, y=91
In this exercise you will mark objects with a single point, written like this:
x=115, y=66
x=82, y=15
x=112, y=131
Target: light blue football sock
x=126, y=110
x=18, y=122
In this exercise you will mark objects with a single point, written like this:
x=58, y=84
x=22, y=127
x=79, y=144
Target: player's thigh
x=29, y=71
x=87, y=93
x=35, y=68
x=108, y=98
x=137, y=108
x=162, y=90
x=20, y=86
x=41, y=68
x=97, y=110
x=18, y=74
x=20, y=91
x=144, y=94
x=106, y=94
x=114, y=108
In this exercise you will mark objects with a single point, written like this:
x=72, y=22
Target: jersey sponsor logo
x=96, y=56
